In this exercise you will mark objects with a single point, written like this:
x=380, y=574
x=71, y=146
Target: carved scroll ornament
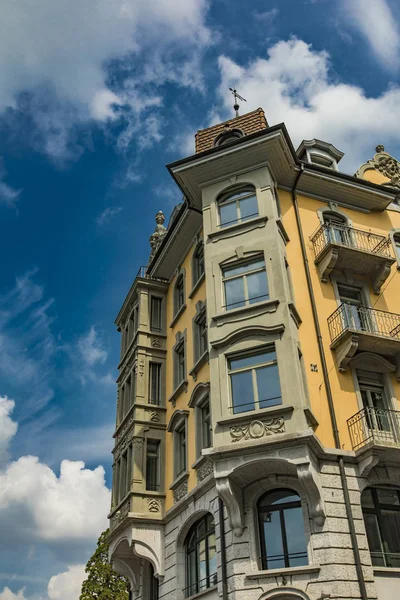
x=257, y=429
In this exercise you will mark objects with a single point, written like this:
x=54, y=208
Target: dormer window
x=228, y=135
x=319, y=153
x=237, y=206
x=320, y=159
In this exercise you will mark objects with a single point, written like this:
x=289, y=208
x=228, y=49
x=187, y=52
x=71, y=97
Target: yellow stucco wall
x=185, y=321
x=342, y=383
x=375, y=176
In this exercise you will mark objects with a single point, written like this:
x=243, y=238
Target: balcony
x=353, y=328
x=375, y=427
x=346, y=248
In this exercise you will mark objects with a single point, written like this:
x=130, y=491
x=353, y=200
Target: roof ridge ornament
x=158, y=234
x=236, y=97
x=386, y=164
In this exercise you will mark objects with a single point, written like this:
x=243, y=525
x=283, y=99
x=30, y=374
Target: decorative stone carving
x=141, y=367
x=158, y=234
x=138, y=442
x=345, y=351
x=181, y=490
x=155, y=416
x=154, y=505
x=310, y=479
x=232, y=496
x=204, y=470
x=257, y=429
x=385, y=164
x=123, y=566
x=124, y=430
x=156, y=342
x=121, y=514
x=327, y=264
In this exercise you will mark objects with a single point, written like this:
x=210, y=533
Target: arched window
x=337, y=228
x=381, y=511
x=198, y=263
x=229, y=135
x=201, y=556
x=237, y=206
x=282, y=536
x=179, y=293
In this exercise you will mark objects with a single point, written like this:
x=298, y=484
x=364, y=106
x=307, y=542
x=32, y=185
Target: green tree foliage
x=102, y=582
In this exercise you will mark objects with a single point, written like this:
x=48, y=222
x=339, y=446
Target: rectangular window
x=374, y=401
x=179, y=293
x=155, y=383
x=245, y=284
x=180, y=370
x=127, y=396
x=238, y=207
x=156, y=314
x=180, y=456
x=254, y=381
x=123, y=476
x=152, y=466
x=201, y=335
x=206, y=427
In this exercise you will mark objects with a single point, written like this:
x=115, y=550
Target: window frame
x=159, y=386
x=235, y=196
x=198, y=273
x=179, y=293
x=395, y=239
x=200, y=333
x=201, y=406
x=179, y=362
x=377, y=512
x=279, y=508
x=246, y=302
x=180, y=446
x=271, y=348
x=195, y=587
x=159, y=299
x=155, y=454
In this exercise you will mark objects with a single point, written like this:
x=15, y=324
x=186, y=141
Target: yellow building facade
x=257, y=440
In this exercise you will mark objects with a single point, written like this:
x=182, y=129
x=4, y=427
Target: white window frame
x=247, y=261
x=228, y=197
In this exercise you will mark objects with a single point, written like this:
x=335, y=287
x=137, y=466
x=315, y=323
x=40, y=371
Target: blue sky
x=95, y=98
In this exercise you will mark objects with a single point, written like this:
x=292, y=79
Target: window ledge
x=391, y=571
x=198, y=364
x=177, y=315
x=256, y=414
x=182, y=477
x=200, y=461
x=203, y=593
x=237, y=228
x=295, y=315
x=308, y=569
x=197, y=285
x=282, y=230
x=228, y=315
x=182, y=387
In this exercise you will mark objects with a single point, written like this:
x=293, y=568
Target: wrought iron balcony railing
x=379, y=426
x=142, y=273
x=362, y=318
x=332, y=233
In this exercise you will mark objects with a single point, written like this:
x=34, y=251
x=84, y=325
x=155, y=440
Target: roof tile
x=248, y=123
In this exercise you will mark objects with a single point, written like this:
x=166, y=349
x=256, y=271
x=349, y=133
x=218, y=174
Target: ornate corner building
x=257, y=442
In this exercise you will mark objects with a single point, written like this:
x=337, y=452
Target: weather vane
x=237, y=97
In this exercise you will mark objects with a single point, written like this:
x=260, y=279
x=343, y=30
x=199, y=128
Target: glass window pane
x=269, y=388
x=202, y=564
x=212, y=557
x=296, y=540
x=191, y=574
x=234, y=293
x=388, y=496
x=242, y=392
x=227, y=214
x=367, y=500
x=374, y=539
x=248, y=207
x=252, y=360
x=257, y=286
x=271, y=527
x=390, y=520
x=244, y=268
x=279, y=497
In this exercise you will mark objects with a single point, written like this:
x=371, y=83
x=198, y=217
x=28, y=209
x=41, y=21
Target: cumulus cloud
x=67, y=585
x=107, y=214
x=8, y=428
x=8, y=195
x=294, y=86
x=91, y=348
x=376, y=22
x=66, y=64
x=7, y=594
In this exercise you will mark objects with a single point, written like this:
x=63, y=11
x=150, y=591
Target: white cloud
x=8, y=195
x=72, y=60
x=293, y=86
x=376, y=22
x=7, y=594
x=8, y=427
x=107, y=214
x=91, y=348
x=67, y=585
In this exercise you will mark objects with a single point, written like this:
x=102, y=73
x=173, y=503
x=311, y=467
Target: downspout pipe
x=223, y=550
x=331, y=406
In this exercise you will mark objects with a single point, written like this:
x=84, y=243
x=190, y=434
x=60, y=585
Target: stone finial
x=158, y=233
x=380, y=148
